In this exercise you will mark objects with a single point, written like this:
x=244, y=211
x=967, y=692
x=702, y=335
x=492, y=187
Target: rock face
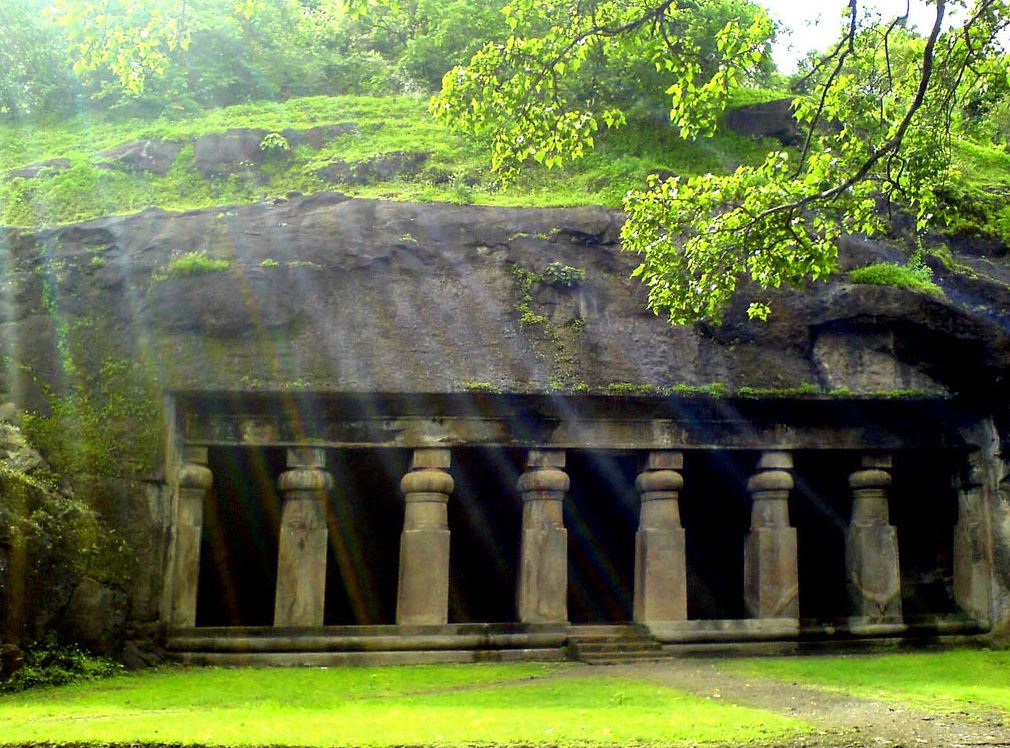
x=770, y=119
x=329, y=294
x=155, y=156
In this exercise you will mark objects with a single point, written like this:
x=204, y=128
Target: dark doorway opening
x=238, y=548
x=601, y=514
x=715, y=512
x=820, y=507
x=365, y=520
x=923, y=503
x=485, y=522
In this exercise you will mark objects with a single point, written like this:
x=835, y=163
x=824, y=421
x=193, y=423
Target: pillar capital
x=545, y=458
x=428, y=480
x=306, y=457
x=664, y=459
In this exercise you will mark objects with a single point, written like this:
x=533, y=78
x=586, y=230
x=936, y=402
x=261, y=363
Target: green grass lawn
x=385, y=125
x=426, y=705
x=971, y=680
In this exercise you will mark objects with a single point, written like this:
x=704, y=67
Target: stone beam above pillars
x=301, y=559
x=423, y=591
x=871, y=547
x=195, y=480
x=542, y=595
x=660, y=561
x=771, y=571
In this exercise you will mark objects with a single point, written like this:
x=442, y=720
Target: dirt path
x=843, y=720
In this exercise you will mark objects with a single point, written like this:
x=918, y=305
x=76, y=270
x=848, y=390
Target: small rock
x=155, y=156
x=53, y=165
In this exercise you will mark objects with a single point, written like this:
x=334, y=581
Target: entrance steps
x=613, y=645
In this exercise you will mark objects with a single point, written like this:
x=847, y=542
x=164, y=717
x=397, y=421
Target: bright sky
x=815, y=24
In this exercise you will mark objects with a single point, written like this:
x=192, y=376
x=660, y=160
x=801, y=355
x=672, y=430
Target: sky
x=815, y=24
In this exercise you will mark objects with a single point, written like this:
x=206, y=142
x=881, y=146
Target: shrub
x=50, y=663
x=914, y=277
x=191, y=263
x=564, y=275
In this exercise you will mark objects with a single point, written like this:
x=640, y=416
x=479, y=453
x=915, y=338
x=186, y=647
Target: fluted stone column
x=195, y=480
x=301, y=559
x=871, y=546
x=972, y=570
x=543, y=558
x=771, y=574
x=423, y=592
x=660, y=562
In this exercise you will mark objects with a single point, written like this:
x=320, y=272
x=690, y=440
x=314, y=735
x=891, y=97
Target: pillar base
x=971, y=571
x=423, y=594
x=771, y=576
x=301, y=564
x=872, y=576
x=543, y=576
x=660, y=575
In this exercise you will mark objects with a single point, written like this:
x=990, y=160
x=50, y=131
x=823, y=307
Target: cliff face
x=331, y=294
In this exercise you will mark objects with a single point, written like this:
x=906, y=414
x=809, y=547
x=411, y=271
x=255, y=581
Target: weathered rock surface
x=384, y=168
x=769, y=119
x=33, y=171
x=155, y=156
x=362, y=295
x=232, y=150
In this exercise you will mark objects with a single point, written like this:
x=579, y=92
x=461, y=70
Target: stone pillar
x=195, y=480
x=871, y=546
x=972, y=570
x=660, y=563
x=543, y=558
x=301, y=559
x=771, y=575
x=423, y=592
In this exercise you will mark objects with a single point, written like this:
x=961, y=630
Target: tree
x=879, y=111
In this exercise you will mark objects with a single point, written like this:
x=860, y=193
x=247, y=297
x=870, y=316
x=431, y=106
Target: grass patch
x=456, y=169
x=970, y=680
x=429, y=705
x=191, y=263
x=913, y=278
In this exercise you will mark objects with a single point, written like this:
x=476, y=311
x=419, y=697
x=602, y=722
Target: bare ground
x=842, y=720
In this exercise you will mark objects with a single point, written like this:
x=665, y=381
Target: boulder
x=155, y=156
x=769, y=119
x=384, y=168
x=34, y=171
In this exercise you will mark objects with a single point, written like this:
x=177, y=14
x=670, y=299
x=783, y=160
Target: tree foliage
x=879, y=110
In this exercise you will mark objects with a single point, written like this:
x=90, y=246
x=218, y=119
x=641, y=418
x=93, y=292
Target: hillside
x=389, y=148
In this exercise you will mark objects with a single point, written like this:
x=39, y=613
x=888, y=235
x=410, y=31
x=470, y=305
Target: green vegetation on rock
x=914, y=277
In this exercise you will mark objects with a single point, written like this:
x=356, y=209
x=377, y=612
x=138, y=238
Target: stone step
x=613, y=644
x=618, y=646
x=601, y=631
x=616, y=659
x=333, y=659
